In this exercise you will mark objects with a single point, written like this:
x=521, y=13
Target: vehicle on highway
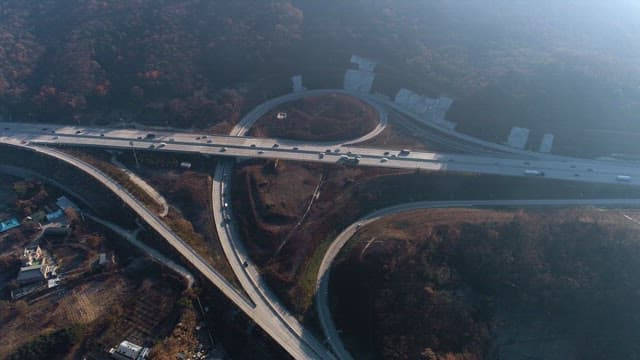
x=405, y=152
x=150, y=136
x=78, y=132
x=223, y=149
x=101, y=135
x=348, y=160
x=384, y=159
x=295, y=148
x=386, y=153
x=260, y=151
x=321, y=155
x=162, y=144
x=623, y=178
x=209, y=141
x=276, y=145
x=253, y=145
x=530, y=172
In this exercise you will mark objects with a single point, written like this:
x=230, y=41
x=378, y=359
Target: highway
x=236, y=253
x=263, y=306
x=554, y=167
x=323, y=277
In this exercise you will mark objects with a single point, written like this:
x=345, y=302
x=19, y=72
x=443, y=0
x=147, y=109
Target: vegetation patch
x=472, y=284
x=318, y=118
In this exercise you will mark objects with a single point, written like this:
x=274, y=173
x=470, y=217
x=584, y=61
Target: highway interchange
x=262, y=306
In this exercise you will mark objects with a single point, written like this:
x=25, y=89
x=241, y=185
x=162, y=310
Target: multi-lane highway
x=554, y=167
x=263, y=306
x=323, y=276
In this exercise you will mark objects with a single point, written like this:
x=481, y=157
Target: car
x=223, y=149
x=576, y=175
x=23, y=142
x=78, y=132
x=260, y=151
x=386, y=153
x=101, y=135
x=44, y=129
x=197, y=137
x=208, y=141
x=276, y=145
x=131, y=143
x=150, y=136
x=321, y=155
x=162, y=144
x=295, y=148
x=152, y=146
x=328, y=151
x=253, y=145
x=225, y=205
x=172, y=140
x=336, y=150
x=204, y=136
x=139, y=138
x=384, y=159
x=55, y=138
x=245, y=263
x=393, y=156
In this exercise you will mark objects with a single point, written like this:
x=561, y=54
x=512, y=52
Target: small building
x=30, y=274
x=129, y=351
x=518, y=137
x=32, y=255
x=297, y=84
x=547, y=143
x=64, y=203
x=55, y=215
x=9, y=224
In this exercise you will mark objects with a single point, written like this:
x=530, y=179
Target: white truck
x=530, y=172
x=623, y=178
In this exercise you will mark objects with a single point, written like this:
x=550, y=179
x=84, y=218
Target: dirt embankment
x=472, y=284
x=332, y=117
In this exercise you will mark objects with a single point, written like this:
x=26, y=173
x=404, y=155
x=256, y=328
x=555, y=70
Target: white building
x=547, y=143
x=518, y=137
x=297, y=84
x=129, y=351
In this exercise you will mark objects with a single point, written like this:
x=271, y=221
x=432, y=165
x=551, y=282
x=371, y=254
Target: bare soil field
x=319, y=118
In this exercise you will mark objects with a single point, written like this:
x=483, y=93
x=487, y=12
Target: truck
x=623, y=178
x=530, y=172
x=349, y=160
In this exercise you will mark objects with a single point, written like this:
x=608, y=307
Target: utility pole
x=135, y=156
